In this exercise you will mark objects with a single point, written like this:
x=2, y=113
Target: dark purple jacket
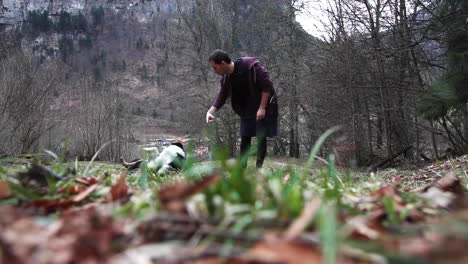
x=260, y=82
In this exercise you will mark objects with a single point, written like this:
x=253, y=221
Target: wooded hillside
x=392, y=74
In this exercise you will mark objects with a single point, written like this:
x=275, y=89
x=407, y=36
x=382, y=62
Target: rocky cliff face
x=51, y=28
x=13, y=13
x=101, y=40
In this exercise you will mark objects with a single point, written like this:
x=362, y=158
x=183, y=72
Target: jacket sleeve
x=262, y=79
x=222, y=95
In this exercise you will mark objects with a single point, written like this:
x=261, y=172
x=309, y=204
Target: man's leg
x=261, y=150
x=244, y=147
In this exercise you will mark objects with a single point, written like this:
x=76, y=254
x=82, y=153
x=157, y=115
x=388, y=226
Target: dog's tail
x=134, y=164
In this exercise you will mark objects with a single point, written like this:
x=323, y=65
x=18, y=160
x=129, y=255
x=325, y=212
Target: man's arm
x=266, y=86
x=218, y=103
x=223, y=94
x=261, y=110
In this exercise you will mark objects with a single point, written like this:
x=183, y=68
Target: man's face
x=220, y=69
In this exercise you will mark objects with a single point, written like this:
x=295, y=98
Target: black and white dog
x=171, y=158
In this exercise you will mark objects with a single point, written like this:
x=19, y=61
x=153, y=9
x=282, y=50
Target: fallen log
x=385, y=161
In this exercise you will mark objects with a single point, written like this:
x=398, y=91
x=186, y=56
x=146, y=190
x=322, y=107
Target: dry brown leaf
x=447, y=192
x=119, y=190
x=22, y=239
x=375, y=219
x=415, y=216
x=438, y=198
x=300, y=224
x=220, y=260
x=208, y=260
x=397, y=177
x=275, y=250
x=50, y=205
x=450, y=183
x=388, y=190
x=173, y=196
x=183, y=190
x=84, y=236
x=87, y=180
x=4, y=190
x=359, y=229
x=71, y=189
x=55, y=205
x=85, y=193
x=419, y=245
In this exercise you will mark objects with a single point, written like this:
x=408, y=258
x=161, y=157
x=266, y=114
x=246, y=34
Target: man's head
x=220, y=62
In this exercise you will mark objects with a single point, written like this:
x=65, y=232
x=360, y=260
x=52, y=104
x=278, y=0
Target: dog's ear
x=179, y=145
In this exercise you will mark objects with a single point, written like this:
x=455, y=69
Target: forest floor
x=216, y=212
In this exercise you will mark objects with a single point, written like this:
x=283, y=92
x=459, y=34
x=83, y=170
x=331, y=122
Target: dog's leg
x=164, y=170
x=130, y=165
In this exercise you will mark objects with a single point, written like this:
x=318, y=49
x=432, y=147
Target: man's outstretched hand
x=209, y=117
x=260, y=114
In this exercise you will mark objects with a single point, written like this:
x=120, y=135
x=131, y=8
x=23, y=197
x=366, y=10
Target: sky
x=312, y=15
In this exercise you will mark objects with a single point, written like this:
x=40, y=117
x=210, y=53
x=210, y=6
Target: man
x=253, y=98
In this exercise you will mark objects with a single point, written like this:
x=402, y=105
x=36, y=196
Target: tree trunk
x=379, y=132
x=465, y=126
x=451, y=138
x=434, y=142
x=369, y=127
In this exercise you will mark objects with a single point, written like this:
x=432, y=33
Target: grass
x=276, y=193
x=280, y=187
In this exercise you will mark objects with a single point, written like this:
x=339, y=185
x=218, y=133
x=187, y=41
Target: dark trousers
x=261, y=148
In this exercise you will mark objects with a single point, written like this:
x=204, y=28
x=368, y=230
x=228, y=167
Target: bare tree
x=100, y=119
x=26, y=86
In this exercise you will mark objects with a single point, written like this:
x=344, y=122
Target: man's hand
x=261, y=113
x=261, y=109
x=209, y=117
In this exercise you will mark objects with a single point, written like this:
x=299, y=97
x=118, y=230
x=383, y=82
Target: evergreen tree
x=40, y=22
x=450, y=92
x=98, y=15
x=65, y=22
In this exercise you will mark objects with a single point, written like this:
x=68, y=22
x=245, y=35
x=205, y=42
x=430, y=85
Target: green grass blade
x=52, y=154
x=240, y=225
x=143, y=180
x=63, y=156
x=95, y=156
x=51, y=183
x=315, y=149
x=3, y=174
x=328, y=233
x=389, y=205
x=22, y=192
x=188, y=163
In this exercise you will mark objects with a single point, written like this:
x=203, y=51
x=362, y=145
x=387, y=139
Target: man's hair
x=218, y=56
